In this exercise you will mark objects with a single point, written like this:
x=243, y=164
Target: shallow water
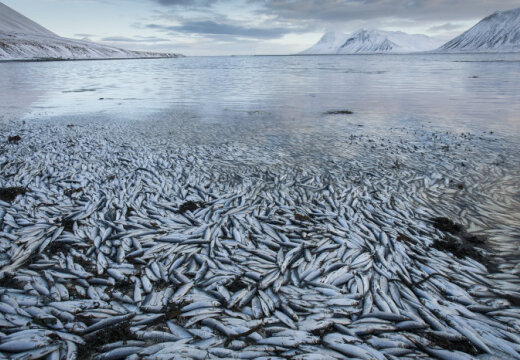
x=460, y=92
x=278, y=102
x=298, y=219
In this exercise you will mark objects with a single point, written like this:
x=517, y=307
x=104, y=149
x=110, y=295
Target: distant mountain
x=499, y=32
x=22, y=38
x=329, y=43
x=372, y=42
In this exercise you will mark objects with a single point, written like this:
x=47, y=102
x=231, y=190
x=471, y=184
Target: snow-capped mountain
x=22, y=38
x=498, y=32
x=372, y=42
x=329, y=43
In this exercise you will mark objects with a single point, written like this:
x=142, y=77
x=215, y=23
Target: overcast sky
x=225, y=27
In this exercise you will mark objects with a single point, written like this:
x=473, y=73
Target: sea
x=307, y=106
x=458, y=92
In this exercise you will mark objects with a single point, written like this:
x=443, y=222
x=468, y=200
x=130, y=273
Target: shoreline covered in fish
x=122, y=242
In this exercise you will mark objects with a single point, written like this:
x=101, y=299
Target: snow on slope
x=20, y=47
x=497, y=32
x=412, y=42
x=15, y=23
x=329, y=43
x=22, y=38
x=372, y=41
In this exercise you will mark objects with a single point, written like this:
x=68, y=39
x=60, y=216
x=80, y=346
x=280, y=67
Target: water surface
x=279, y=103
x=460, y=92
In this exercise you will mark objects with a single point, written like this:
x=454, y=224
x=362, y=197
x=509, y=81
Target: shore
x=166, y=56
x=120, y=241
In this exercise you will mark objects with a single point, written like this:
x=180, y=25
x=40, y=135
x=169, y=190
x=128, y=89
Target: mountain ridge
x=497, y=32
x=373, y=41
x=23, y=39
x=13, y=22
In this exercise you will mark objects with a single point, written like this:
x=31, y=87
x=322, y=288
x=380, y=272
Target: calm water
x=460, y=92
x=280, y=102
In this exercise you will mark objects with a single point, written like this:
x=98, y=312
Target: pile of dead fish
x=122, y=247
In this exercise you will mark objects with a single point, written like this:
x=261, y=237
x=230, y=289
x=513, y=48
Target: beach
x=253, y=232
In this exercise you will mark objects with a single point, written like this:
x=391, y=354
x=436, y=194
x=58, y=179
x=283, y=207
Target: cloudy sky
x=243, y=27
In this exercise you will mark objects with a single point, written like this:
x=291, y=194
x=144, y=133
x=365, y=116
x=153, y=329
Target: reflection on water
x=462, y=92
x=279, y=104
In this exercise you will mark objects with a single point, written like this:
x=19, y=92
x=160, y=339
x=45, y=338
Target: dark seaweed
x=9, y=282
x=173, y=312
x=67, y=224
x=458, y=242
x=338, y=112
x=301, y=217
x=10, y=193
x=236, y=285
x=57, y=247
x=14, y=139
x=446, y=225
x=124, y=286
x=190, y=206
x=118, y=332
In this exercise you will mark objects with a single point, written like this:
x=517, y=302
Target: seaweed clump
x=458, y=241
x=190, y=206
x=68, y=224
x=446, y=225
x=173, y=312
x=338, y=112
x=10, y=193
x=9, y=281
x=14, y=139
x=94, y=341
x=57, y=247
x=124, y=285
x=301, y=217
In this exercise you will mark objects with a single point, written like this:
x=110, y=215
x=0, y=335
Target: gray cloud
x=143, y=39
x=186, y=2
x=420, y=10
x=445, y=27
x=213, y=28
x=346, y=10
x=272, y=19
x=192, y=4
